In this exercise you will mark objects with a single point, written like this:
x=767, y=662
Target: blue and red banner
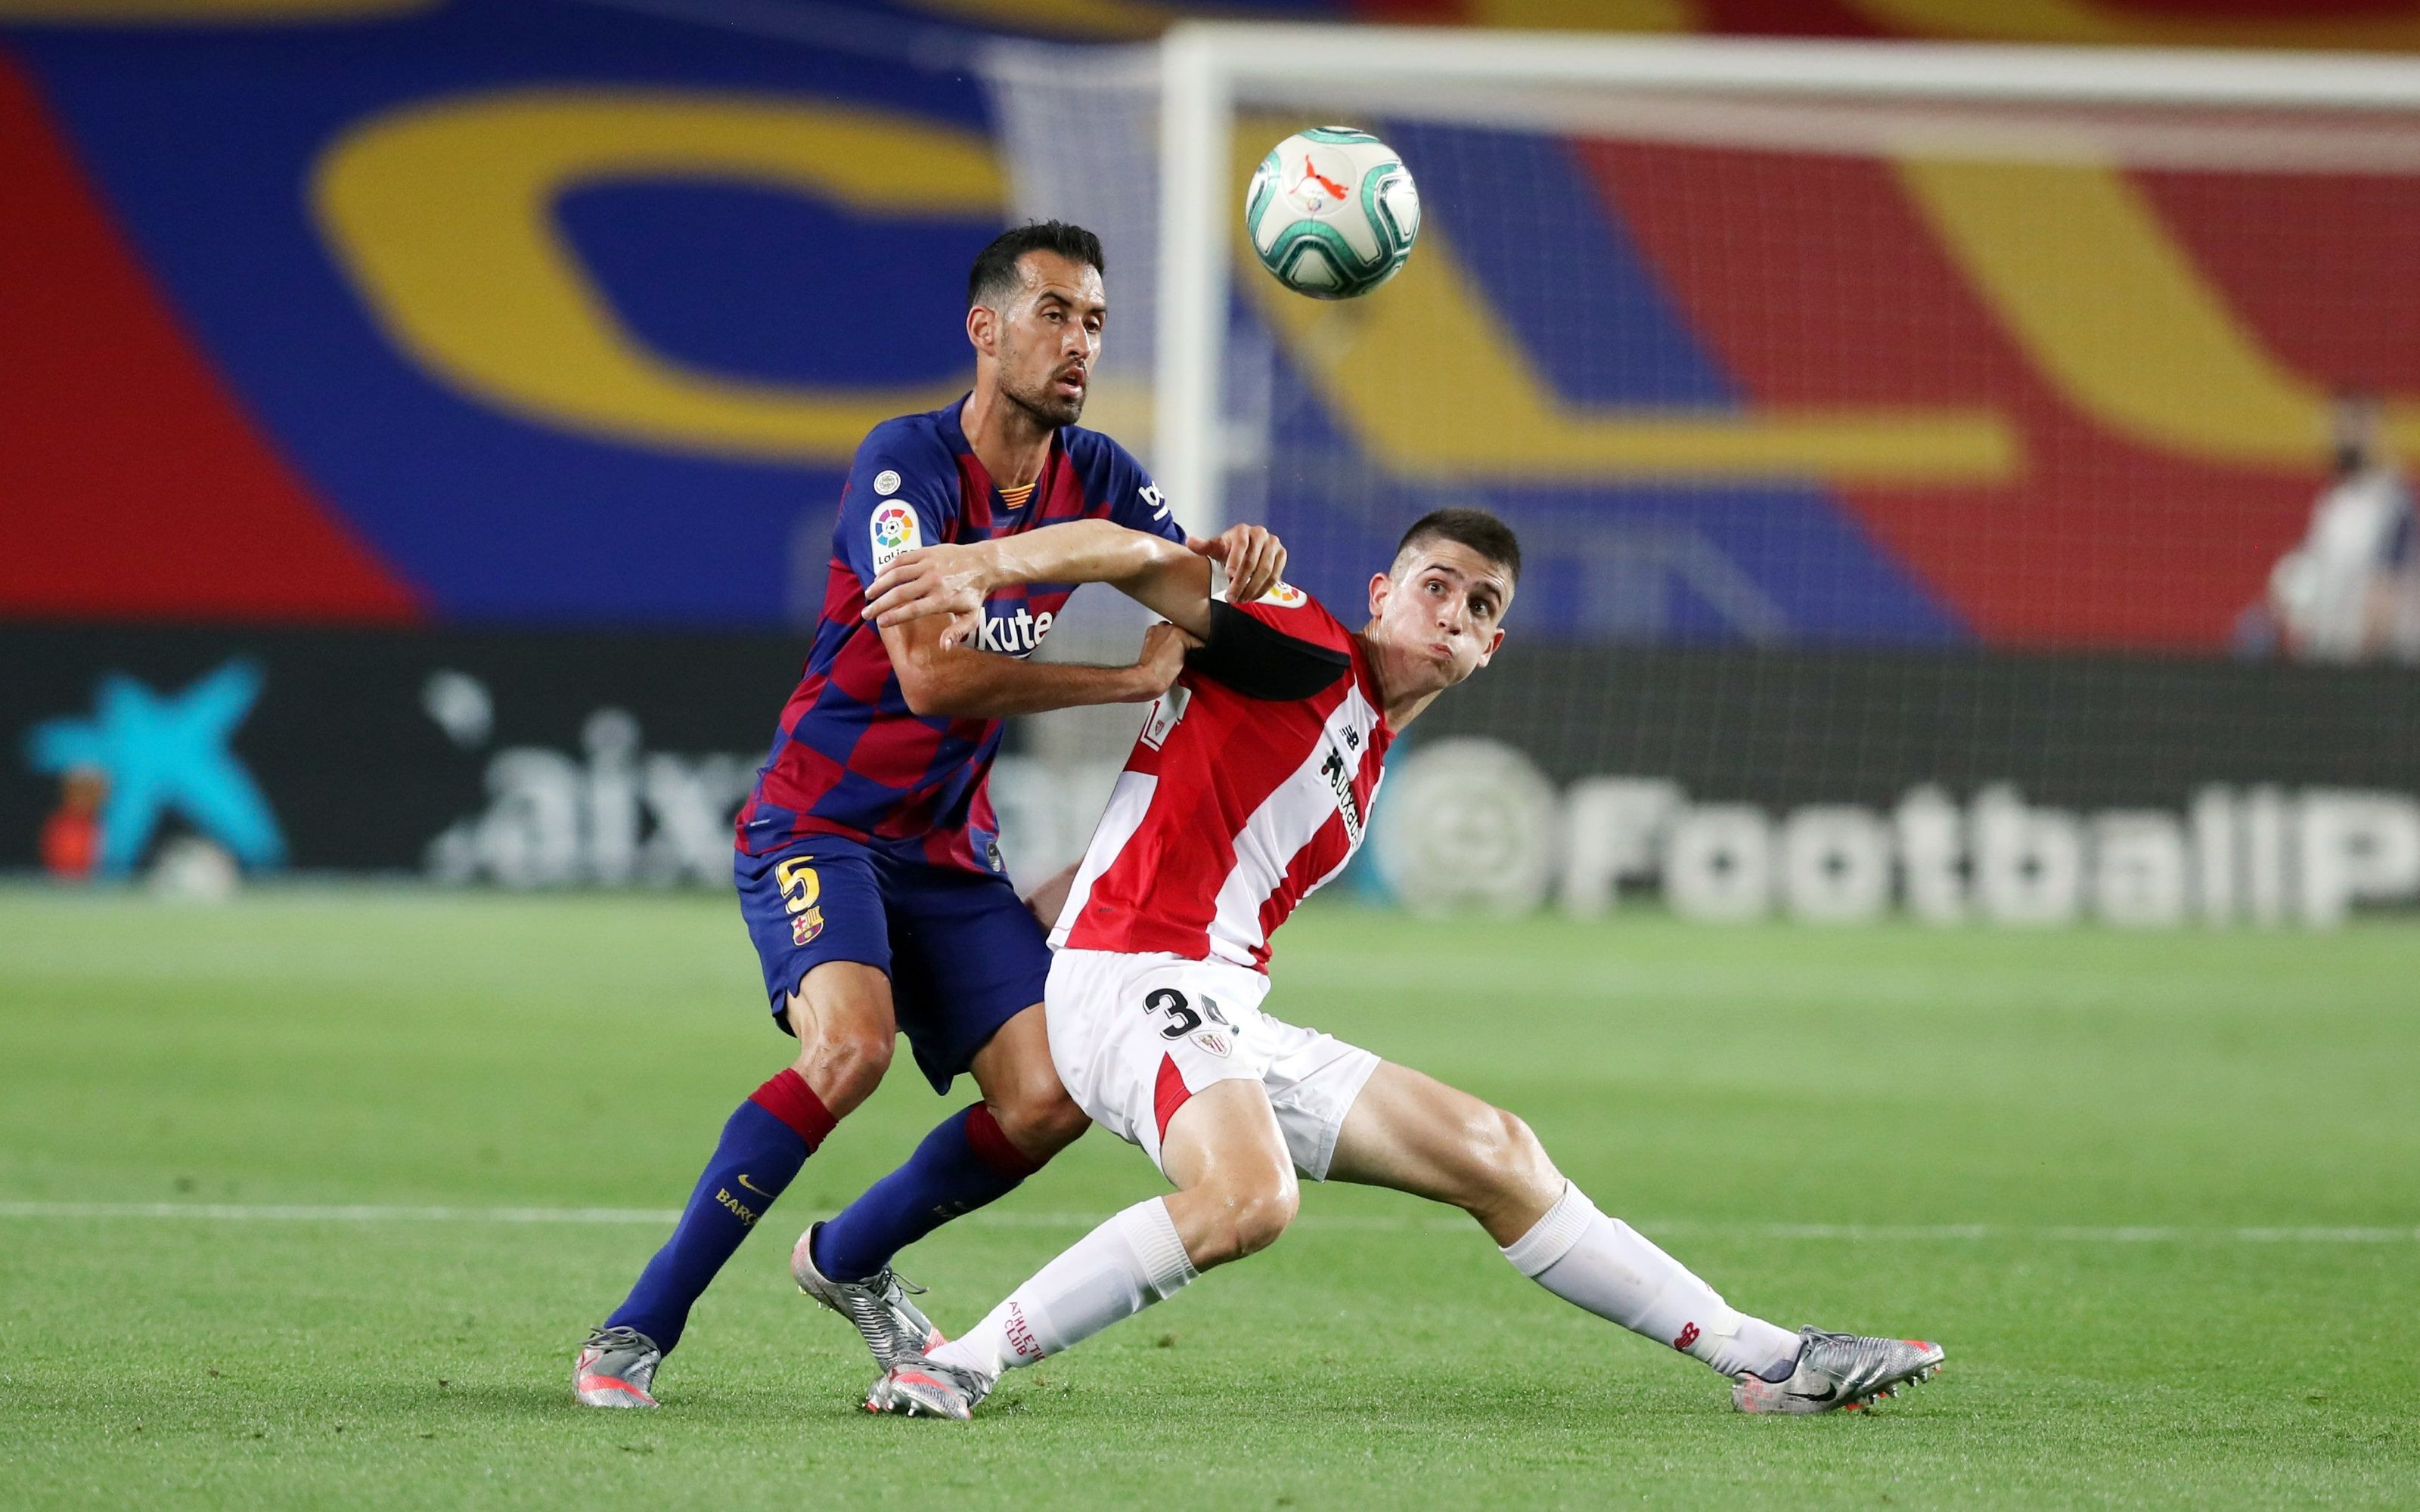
x=550, y=313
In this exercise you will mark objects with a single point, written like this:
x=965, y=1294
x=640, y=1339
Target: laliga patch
x=1284, y=595
x=805, y=927
x=886, y=482
x=894, y=533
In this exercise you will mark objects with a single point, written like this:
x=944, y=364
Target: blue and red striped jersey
x=849, y=759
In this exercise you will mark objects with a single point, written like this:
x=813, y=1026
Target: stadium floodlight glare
x=1710, y=89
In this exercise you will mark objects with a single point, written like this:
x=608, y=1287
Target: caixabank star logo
x=161, y=755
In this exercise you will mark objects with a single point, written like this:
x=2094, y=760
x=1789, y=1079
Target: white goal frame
x=1207, y=68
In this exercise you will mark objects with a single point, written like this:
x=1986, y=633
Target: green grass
x=399, y=1048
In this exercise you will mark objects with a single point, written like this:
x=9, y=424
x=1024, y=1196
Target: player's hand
x=1163, y=656
x=931, y=579
x=966, y=629
x=1255, y=560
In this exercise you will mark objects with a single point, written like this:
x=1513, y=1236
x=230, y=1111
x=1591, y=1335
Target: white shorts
x=1134, y=1036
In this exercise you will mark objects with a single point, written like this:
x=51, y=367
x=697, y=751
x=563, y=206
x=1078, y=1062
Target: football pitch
x=305, y=1201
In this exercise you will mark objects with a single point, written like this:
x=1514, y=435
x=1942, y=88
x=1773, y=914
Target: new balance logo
x=1688, y=1336
x=1341, y=781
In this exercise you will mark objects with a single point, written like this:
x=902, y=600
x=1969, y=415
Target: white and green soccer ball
x=1332, y=212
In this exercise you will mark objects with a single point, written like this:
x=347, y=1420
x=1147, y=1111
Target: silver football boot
x=1839, y=1371
x=892, y=1327
x=929, y=1388
x=616, y=1368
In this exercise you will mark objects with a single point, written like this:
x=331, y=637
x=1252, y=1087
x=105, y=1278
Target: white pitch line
x=1381, y=1223
x=348, y=1213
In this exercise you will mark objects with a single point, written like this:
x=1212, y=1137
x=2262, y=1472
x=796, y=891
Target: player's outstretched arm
x=942, y=679
x=1171, y=581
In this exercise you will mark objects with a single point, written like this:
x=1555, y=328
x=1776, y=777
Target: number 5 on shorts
x=799, y=883
x=800, y=887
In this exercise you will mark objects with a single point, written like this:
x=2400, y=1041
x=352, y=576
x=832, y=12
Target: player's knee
x=845, y=1065
x=1041, y=1121
x=1257, y=1216
x=1265, y=1215
x=1516, y=1163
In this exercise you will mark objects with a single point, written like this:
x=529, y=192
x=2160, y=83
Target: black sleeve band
x=1261, y=661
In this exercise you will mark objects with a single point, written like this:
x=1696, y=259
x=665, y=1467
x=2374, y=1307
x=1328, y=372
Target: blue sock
x=762, y=1148
x=962, y=1165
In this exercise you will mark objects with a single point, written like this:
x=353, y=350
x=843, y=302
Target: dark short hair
x=994, y=275
x=1474, y=528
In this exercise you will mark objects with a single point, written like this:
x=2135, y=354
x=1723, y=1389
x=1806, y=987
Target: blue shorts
x=963, y=953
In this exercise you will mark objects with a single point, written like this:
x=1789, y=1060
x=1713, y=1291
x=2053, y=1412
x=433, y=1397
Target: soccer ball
x=1332, y=212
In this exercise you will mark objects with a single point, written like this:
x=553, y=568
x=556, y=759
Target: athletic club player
x=1249, y=786
x=868, y=864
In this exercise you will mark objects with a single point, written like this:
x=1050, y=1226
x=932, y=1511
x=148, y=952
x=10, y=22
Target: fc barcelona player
x=868, y=864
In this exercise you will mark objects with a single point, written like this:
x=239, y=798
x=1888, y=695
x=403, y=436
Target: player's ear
x=982, y=328
x=1381, y=586
x=1489, y=655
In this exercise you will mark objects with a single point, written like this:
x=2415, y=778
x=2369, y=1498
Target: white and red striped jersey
x=1233, y=808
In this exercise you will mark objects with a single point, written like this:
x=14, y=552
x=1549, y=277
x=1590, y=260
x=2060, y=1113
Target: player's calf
x=1417, y=1134
x=843, y=1015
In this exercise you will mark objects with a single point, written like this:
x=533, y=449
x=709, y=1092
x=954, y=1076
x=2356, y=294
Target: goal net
x=1961, y=481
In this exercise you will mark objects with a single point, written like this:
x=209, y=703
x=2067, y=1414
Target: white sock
x=1606, y=1266
x=1114, y=1271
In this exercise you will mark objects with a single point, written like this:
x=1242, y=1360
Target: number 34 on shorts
x=1199, y=1018
x=1133, y=1037
x=801, y=890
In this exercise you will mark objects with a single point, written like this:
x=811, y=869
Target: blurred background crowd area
x=425, y=419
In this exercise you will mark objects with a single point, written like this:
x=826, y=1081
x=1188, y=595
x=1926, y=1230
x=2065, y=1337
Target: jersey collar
x=955, y=432
x=1365, y=677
